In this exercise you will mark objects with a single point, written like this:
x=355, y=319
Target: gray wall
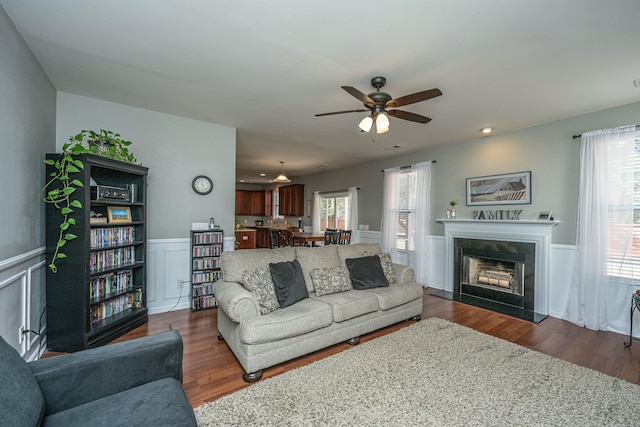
x=547, y=150
x=27, y=132
x=175, y=150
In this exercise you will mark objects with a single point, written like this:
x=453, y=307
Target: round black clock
x=202, y=185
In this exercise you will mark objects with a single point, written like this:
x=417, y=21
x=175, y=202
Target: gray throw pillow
x=330, y=280
x=259, y=283
x=366, y=272
x=288, y=282
x=387, y=265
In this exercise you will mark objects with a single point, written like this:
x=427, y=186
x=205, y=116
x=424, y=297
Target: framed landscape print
x=119, y=214
x=505, y=189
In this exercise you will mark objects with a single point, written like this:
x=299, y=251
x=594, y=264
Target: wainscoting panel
x=22, y=303
x=167, y=264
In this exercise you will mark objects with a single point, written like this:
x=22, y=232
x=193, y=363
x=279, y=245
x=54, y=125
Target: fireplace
x=499, y=272
x=499, y=265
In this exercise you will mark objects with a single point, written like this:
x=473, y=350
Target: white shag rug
x=432, y=373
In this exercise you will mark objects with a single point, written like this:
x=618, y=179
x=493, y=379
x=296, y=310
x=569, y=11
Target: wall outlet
x=360, y=226
x=366, y=227
x=21, y=334
x=181, y=284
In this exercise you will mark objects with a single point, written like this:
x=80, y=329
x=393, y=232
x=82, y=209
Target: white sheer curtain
x=601, y=288
x=353, y=213
x=315, y=217
x=418, y=259
x=390, y=207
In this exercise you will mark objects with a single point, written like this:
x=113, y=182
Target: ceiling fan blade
x=359, y=95
x=405, y=115
x=341, y=112
x=413, y=98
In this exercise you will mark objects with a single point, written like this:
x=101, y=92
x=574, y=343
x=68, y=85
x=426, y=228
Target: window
x=334, y=211
x=623, y=262
x=406, y=236
x=276, y=205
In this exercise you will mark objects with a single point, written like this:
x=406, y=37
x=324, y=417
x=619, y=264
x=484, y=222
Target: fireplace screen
x=494, y=274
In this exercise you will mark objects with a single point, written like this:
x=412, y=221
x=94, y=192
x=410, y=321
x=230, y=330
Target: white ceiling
x=266, y=67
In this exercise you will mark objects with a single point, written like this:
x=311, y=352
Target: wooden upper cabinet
x=250, y=203
x=243, y=202
x=257, y=203
x=291, y=200
x=268, y=202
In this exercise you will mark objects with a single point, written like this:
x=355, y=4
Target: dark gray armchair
x=133, y=383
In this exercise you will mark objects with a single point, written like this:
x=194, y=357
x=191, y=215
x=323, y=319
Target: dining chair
x=344, y=237
x=331, y=237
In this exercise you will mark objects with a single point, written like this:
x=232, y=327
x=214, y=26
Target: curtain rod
x=336, y=191
x=578, y=136
x=408, y=166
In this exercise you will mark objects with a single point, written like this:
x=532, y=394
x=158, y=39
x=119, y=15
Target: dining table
x=309, y=238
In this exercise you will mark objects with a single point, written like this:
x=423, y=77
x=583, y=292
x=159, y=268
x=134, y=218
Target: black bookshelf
x=99, y=291
x=206, y=247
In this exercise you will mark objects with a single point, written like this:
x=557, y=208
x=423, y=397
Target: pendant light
x=282, y=177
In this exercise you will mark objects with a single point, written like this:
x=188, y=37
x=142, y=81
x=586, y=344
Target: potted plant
x=451, y=210
x=60, y=188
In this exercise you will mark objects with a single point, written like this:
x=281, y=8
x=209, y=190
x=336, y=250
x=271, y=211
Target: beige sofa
x=260, y=340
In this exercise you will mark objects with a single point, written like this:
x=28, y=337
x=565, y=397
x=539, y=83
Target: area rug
x=432, y=373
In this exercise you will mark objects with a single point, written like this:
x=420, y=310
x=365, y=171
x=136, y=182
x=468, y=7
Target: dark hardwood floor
x=211, y=370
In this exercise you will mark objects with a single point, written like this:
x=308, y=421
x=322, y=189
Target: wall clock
x=202, y=185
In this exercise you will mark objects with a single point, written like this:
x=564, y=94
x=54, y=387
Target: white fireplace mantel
x=537, y=232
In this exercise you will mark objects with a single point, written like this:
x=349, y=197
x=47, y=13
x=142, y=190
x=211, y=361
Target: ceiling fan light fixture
x=382, y=123
x=366, y=124
x=282, y=177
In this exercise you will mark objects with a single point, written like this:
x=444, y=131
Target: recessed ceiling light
x=323, y=166
x=242, y=180
x=486, y=130
x=263, y=174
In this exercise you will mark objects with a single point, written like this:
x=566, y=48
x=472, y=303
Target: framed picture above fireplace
x=504, y=189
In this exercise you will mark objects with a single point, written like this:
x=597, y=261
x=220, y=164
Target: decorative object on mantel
x=545, y=216
x=502, y=215
x=505, y=189
x=59, y=190
x=451, y=210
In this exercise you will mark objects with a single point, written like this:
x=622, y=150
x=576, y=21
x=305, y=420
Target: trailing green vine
x=61, y=187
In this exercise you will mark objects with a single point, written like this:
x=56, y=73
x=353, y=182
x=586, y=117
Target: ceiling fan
x=377, y=103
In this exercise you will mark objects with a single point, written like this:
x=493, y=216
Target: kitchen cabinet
x=291, y=200
x=246, y=239
x=250, y=202
x=268, y=203
x=263, y=237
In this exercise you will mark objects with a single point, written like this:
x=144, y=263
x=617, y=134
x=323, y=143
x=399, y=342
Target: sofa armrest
x=404, y=273
x=72, y=379
x=235, y=300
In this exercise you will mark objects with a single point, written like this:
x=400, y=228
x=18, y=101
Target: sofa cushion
x=366, y=272
x=162, y=401
x=288, y=282
x=397, y=294
x=234, y=263
x=387, y=265
x=260, y=284
x=350, y=304
x=316, y=257
x=356, y=251
x=330, y=280
x=305, y=316
x=21, y=400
